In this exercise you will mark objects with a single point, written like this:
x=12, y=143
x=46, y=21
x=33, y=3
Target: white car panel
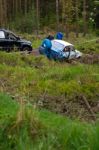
x=59, y=45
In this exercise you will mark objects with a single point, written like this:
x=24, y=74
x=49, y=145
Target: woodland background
x=59, y=15
x=50, y=105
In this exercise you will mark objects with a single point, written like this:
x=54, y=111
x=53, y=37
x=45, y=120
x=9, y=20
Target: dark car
x=9, y=42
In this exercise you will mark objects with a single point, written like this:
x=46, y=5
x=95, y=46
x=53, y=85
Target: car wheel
x=8, y=50
x=26, y=50
x=79, y=57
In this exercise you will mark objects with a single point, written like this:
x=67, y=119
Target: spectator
x=50, y=37
x=47, y=45
x=59, y=36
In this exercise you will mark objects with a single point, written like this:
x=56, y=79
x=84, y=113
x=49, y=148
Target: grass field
x=43, y=103
x=48, y=84
x=23, y=127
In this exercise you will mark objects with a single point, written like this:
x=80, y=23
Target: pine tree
x=57, y=14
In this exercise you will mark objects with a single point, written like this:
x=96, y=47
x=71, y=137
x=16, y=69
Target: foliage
x=90, y=47
x=25, y=23
x=97, y=32
x=20, y=127
x=25, y=16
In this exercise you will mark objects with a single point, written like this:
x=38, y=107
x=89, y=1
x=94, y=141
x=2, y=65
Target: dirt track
x=86, y=58
x=71, y=108
x=35, y=52
x=90, y=59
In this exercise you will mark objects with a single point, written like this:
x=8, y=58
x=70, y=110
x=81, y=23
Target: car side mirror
x=18, y=38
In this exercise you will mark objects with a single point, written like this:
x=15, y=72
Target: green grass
x=24, y=74
x=90, y=47
x=33, y=80
x=42, y=130
x=72, y=135
x=36, y=78
x=8, y=107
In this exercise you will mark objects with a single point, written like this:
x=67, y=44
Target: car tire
x=79, y=57
x=26, y=50
x=41, y=50
x=8, y=49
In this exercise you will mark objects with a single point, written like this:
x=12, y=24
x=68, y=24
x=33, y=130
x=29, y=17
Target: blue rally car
x=61, y=50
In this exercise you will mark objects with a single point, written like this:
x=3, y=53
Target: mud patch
x=90, y=59
x=35, y=52
x=74, y=108
x=86, y=58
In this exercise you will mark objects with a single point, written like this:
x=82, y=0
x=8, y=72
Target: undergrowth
x=43, y=82
x=29, y=128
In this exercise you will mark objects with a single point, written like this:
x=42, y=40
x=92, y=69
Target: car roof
x=63, y=42
x=59, y=45
x=6, y=31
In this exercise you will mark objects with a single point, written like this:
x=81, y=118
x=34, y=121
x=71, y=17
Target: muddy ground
x=86, y=58
x=76, y=108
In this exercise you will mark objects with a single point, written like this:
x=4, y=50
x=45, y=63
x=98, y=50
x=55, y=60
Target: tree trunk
x=19, y=6
x=84, y=18
x=4, y=13
x=77, y=18
x=37, y=15
x=1, y=14
x=13, y=8
x=57, y=14
x=67, y=31
x=25, y=7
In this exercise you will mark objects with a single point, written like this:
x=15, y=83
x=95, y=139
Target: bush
x=25, y=23
x=97, y=32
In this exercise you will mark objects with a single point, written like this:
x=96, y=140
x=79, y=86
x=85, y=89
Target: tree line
x=11, y=8
x=66, y=15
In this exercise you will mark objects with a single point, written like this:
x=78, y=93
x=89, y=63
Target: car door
x=72, y=52
x=72, y=55
x=69, y=52
x=56, y=49
x=12, y=43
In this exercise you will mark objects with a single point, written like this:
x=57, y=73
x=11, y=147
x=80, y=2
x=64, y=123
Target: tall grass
x=28, y=128
x=31, y=80
x=49, y=84
x=24, y=74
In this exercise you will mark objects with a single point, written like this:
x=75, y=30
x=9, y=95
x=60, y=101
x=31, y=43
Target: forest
x=49, y=104
x=59, y=15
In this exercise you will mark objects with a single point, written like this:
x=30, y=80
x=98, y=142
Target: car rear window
x=2, y=36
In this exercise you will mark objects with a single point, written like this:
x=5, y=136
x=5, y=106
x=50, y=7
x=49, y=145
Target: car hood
x=25, y=41
x=78, y=53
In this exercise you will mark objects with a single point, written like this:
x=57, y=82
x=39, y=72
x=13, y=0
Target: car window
x=2, y=35
x=69, y=48
x=11, y=36
x=56, y=46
